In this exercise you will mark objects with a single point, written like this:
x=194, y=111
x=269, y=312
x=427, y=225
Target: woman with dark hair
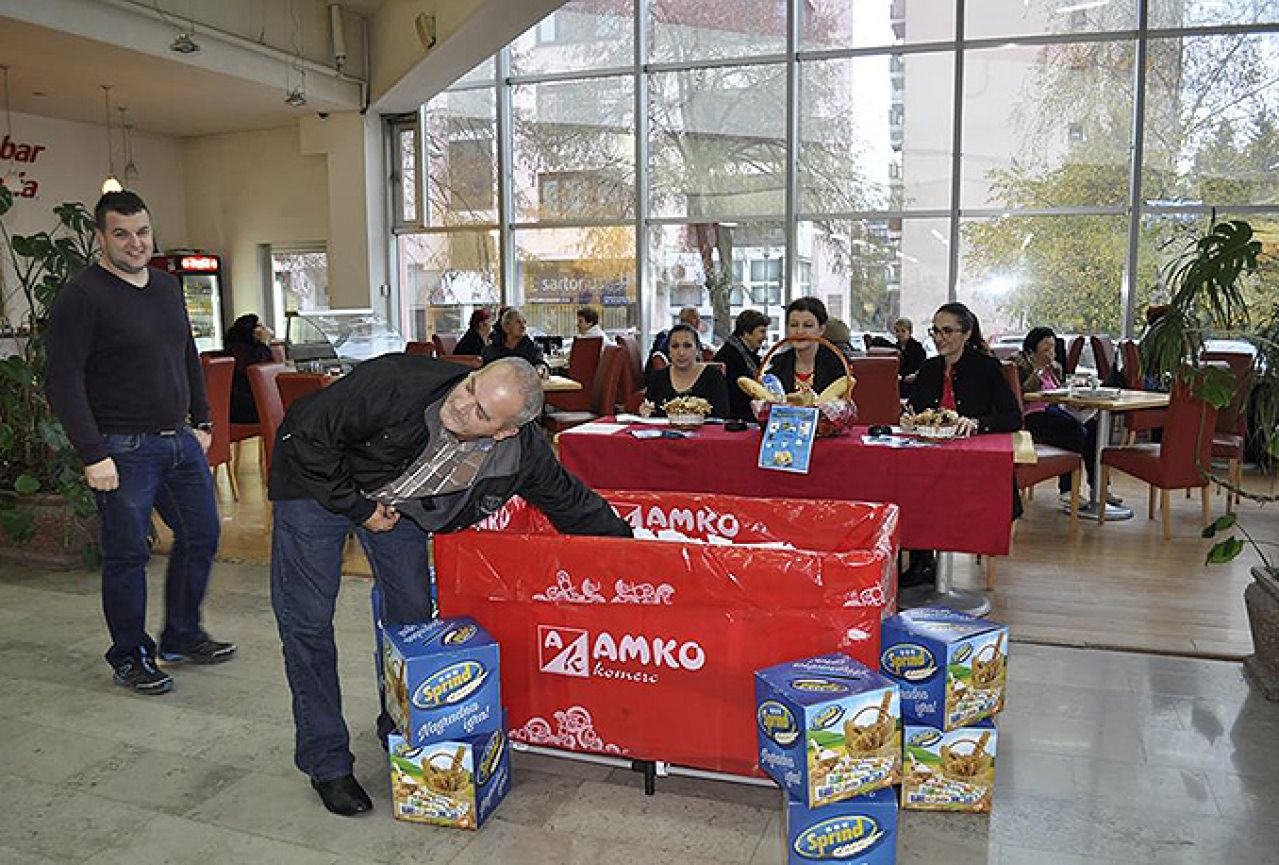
x=247, y=340
x=808, y=366
x=686, y=376
x=740, y=356
x=477, y=333
x=912, y=354
x=1039, y=370
x=510, y=339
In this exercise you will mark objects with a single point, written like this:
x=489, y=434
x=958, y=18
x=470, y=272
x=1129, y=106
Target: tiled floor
x=1104, y=757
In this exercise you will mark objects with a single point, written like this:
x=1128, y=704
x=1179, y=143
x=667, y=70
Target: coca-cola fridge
x=204, y=287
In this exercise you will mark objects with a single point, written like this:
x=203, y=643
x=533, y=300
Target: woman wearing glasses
x=965, y=377
x=806, y=366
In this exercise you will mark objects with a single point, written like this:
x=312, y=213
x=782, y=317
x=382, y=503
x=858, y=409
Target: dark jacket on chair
x=981, y=392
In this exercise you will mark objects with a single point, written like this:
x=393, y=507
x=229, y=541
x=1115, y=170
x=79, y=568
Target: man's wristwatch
x=206, y=427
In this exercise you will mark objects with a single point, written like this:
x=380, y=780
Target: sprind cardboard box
x=829, y=728
x=952, y=667
x=454, y=783
x=441, y=680
x=858, y=831
x=949, y=771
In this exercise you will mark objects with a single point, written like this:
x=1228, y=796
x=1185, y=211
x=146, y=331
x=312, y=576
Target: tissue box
x=441, y=680
x=828, y=728
x=858, y=831
x=949, y=771
x=455, y=783
x=952, y=667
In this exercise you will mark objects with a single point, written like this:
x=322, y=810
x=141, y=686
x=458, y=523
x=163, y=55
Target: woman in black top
x=912, y=354
x=248, y=341
x=740, y=356
x=477, y=334
x=686, y=376
x=510, y=339
x=807, y=366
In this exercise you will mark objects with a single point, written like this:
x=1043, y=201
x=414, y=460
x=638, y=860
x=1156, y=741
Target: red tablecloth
x=955, y=496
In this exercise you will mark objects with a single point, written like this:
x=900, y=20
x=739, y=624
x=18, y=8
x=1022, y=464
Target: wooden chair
x=422, y=349
x=217, y=387
x=1073, y=352
x=295, y=385
x=633, y=385
x=1171, y=464
x=1231, y=431
x=605, y=390
x=1103, y=355
x=583, y=366
x=445, y=343
x=266, y=396
x=1134, y=379
x=877, y=394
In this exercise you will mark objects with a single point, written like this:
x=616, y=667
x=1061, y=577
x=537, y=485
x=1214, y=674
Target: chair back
x=474, y=361
x=444, y=342
x=217, y=387
x=607, y=384
x=876, y=395
x=1012, y=375
x=584, y=359
x=295, y=385
x=632, y=370
x=266, y=396
x=882, y=351
x=216, y=352
x=1181, y=438
x=708, y=354
x=1233, y=419
x=1103, y=355
x=1130, y=355
x=1073, y=353
x=1004, y=351
x=279, y=353
x=658, y=360
x=421, y=349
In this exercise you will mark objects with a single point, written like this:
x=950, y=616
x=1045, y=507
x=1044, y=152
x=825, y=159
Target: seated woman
x=588, y=323
x=686, y=376
x=510, y=339
x=1038, y=370
x=477, y=334
x=966, y=378
x=247, y=340
x=912, y=354
x=808, y=366
x=740, y=356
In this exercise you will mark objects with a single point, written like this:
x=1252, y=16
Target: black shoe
x=343, y=796
x=206, y=651
x=143, y=676
x=917, y=575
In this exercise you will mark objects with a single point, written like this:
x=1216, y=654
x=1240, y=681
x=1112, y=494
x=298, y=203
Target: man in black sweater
x=400, y=435
x=125, y=381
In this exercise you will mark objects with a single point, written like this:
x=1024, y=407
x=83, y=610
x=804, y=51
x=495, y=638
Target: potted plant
x=47, y=512
x=1209, y=301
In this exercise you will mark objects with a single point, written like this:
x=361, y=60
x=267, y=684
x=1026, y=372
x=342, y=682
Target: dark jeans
x=169, y=473
x=306, y=567
x=1060, y=429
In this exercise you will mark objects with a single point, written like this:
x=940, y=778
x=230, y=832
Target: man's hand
x=102, y=475
x=383, y=519
x=205, y=439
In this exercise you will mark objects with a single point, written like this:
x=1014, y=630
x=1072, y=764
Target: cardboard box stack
x=952, y=669
x=830, y=734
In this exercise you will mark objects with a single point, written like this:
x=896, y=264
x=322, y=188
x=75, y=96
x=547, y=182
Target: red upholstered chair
x=1134, y=379
x=583, y=366
x=633, y=385
x=1232, y=421
x=266, y=396
x=1103, y=355
x=883, y=351
x=1073, y=351
x=708, y=354
x=658, y=360
x=217, y=386
x=444, y=342
x=877, y=395
x=605, y=391
x=295, y=385
x=422, y=349
x=474, y=361
x=1171, y=464
x=1050, y=462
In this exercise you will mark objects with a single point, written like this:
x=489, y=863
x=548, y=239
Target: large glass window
x=834, y=24
x=583, y=35
x=461, y=158
x=443, y=277
x=558, y=270
x=682, y=31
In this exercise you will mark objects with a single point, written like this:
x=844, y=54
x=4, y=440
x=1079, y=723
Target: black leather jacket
x=981, y=391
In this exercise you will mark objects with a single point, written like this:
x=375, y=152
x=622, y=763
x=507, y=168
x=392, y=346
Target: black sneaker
x=207, y=651
x=143, y=676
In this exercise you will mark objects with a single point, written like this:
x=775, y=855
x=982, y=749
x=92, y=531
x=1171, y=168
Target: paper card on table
x=894, y=441
x=787, y=443
x=634, y=418
x=596, y=428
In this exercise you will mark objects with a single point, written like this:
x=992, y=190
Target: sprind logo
x=838, y=838
x=815, y=685
x=459, y=636
x=963, y=653
x=828, y=717
x=490, y=757
x=450, y=685
x=777, y=723
x=925, y=739
x=909, y=661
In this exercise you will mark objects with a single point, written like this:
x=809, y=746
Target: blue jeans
x=168, y=473
x=306, y=571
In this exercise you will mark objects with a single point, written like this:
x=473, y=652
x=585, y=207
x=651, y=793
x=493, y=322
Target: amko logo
x=450, y=685
x=576, y=652
x=839, y=838
x=777, y=723
x=701, y=521
x=909, y=661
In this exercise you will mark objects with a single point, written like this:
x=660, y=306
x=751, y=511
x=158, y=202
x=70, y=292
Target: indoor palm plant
x=47, y=512
x=1209, y=301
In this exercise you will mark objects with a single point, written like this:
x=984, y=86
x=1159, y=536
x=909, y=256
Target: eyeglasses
x=947, y=331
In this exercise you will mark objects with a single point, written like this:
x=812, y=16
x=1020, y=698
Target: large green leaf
x=52, y=434
x=6, y=200
x=1220, y=524
x=1216, y=386
x=1224, y=551
x=19, y=524
x=26, y=484
x=7, y=437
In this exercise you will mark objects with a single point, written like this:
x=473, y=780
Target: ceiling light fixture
x=110, y=184
x=126, y=131
x=184, y=43
x=296, y=98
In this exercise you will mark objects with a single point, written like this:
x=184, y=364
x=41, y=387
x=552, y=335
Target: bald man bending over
x=401, y=436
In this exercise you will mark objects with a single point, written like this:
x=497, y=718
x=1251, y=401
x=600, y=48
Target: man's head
x=494, y=401
x=690, y=316
x=587, y=318
x=124, y=232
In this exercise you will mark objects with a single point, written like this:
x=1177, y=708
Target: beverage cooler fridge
x=204, y=288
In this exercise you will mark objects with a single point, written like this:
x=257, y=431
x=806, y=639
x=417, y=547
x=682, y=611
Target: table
x=1105, y=401
x=559, y=384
